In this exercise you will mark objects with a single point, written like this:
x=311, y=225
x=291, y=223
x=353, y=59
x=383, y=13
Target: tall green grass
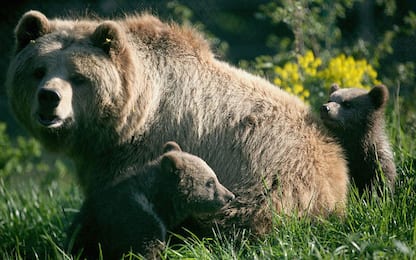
x=35, y=213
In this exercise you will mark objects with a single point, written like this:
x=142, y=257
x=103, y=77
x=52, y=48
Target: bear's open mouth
x=49, y=120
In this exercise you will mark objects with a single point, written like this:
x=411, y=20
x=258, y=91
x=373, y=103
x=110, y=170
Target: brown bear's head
x=198, y=190
x=353, y=109
x=70, y=81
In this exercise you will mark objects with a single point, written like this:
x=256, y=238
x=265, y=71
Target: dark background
x=232, y=21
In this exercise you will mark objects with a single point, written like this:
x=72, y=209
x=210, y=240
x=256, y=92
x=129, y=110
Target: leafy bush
x=24, y=157
x=311, y=39
x=313, y=23
x=309, y=77
x=18, y=158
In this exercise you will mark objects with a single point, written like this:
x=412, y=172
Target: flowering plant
x=309, y=76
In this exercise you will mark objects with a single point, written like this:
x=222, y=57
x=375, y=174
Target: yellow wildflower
x=342, y=69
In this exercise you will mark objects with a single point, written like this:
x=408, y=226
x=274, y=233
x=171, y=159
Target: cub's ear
x=171, y=146
x=171, y=163
x=379, y=95
x=110, y=37
x=31, y=26
x=334, y=87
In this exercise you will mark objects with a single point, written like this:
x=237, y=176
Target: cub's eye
x=78, y=79
x=210, y=183
x=346, y=104
x=39, y=73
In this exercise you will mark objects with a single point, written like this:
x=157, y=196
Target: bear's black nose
x=48, y=98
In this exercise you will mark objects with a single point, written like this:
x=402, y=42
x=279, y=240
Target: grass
x=34, y=214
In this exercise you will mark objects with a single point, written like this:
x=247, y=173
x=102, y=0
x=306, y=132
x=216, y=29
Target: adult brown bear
x=109, y=93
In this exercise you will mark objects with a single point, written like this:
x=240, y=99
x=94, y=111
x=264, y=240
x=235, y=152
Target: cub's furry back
x=137, y=212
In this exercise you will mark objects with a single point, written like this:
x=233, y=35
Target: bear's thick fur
x=356, y=118
x=109, y=93
x=136, y=213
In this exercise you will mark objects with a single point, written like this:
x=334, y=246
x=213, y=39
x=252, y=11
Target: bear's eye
x=210, y=183
x=39, y=73
x=346, y=104
x=78, y=79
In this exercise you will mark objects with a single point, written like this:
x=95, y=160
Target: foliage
x=11, y=157
x=313, y=23
x=185, y=16
x=316, y=36
x=307, y=76
x=24, y=157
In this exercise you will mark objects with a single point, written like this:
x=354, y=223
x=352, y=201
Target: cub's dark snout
x=48, y=98
x=229, y=197
x=324, y=111
x=225, y=195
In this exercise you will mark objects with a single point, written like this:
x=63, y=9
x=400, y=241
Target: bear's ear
x=379, y=95
x=171, y=163
x=171, y=146
x=109, y=37
x=334, y=87
x=31, y=26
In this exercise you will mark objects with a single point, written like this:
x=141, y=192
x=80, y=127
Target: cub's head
x=352, y=108
x=69, y=77
x=197, y=189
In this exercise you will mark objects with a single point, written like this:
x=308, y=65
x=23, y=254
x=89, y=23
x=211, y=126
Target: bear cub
x=356, y=118
x=137, y=212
